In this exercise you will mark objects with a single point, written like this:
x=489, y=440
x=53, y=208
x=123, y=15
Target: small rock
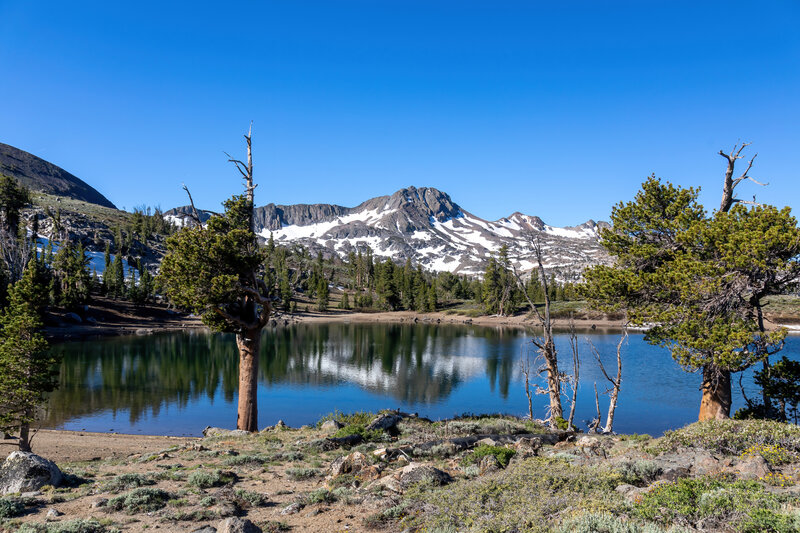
x=624, y=488
x=238, y=525
x=73, y=317
x=527, y=447
x=489, y=464
x=348, y=464
x=281, y=425
x=331, y=425
x=486, y=442
x=227, y=509
x=53, y=513
x=25, y=472
x=390, y=483
x=674, y=473
x=204, y=529
x=293, y=508
x=31, y=494
x=588, y=442
x=100, y=502
x=562, y=445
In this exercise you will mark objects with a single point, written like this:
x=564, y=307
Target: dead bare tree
x=730, y=182
x=595, y=425
x=544, y=344
x=525, y=367
x=573, y=379
x=616, y=382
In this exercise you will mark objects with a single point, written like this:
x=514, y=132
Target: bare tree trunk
x=24, y=436
x=249, y=344
x=716, y=401
x=576, y=368
x=526, y=371
x=597, y=422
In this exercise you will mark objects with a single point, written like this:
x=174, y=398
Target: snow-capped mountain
x=425, y=225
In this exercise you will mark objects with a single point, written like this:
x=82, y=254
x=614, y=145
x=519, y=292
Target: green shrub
x=769, y=521
x=70, y=526
x=358, y=418
x=640, y=472
x=127, y=482
x=524, y=497
x=502, y=454
x=302, y=473
x=140, y=500
x=10, y=508
x=359, y=429
x=248, y=460
x=689, y=500
x=321, y=496
x=732, y=437
x=205, y=479
x=250, y=499
x=608, y=523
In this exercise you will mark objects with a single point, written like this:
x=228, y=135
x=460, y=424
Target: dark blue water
x=177, y=384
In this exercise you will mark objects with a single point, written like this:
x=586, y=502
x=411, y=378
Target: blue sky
x=555, y=109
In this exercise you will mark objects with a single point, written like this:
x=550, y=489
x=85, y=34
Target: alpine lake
x=179, y=383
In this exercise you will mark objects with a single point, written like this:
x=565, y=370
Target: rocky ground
x=397, y=472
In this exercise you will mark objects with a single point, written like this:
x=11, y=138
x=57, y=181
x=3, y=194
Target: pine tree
x=26, y=366
x=323, y=294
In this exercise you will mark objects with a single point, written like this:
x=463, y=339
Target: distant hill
x=43, y=176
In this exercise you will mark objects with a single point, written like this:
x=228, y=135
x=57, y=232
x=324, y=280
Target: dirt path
x=70, y=446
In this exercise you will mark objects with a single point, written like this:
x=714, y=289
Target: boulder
x=416, y=473
x=331, y=426
x=73, y=317
x=204, y=529
x=219, y=432
x=291, y=509
x=752, y=468
x=356, y=464
x=385, y=422
x=237, y=525
x=25, y=471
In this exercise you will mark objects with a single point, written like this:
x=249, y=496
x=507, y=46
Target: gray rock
x=53, y=513
x=416, y=473
x=624, y=488
x=25, y=472
x=226, y=509
x=100, y=502
x=73, y=317
x=31, y=494
x=752, y=468
x=331, y=425
x=204, y=529
x=237, y=525
x=384, y=422
x=290, y=509
x=219, y=432
x=489, y=464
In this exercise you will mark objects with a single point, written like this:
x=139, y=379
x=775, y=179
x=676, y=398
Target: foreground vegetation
x=473, y=473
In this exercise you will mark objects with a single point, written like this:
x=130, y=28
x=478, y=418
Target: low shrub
x=524, y=497
x=359, y=429
x=302, y=473
x=141, y=500
x=689, y=500
x=127, y=482
x=608, y=523
x=248, y=498
x=640, y=472
x=10, y=508
x=70, y=526
x=205, y=479
x=358, y=418
x=502, y=454
x=732, y=437
x=774, y=454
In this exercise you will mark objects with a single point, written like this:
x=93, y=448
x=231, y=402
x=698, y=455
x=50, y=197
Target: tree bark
x=716, y=401
x=249, y=344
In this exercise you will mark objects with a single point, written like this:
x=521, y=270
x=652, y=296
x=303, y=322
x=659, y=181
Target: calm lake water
x=177, y=384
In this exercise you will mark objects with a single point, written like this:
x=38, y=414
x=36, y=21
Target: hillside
x=43, y=176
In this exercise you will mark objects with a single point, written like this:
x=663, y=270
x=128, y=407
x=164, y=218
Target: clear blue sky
x=556, y=109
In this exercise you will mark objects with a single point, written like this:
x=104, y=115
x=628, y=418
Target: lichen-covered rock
x=348, y=464
x=417, y=473
x=752, y=468
x=489, y=464
x=25, y=471
x=331, y=426
x=385, y=422
x=237, y=525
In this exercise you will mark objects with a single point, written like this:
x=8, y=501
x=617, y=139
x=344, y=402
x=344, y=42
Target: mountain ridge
x=426, y=226
x=43, y=176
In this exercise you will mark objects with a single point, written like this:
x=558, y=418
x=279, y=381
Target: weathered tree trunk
x=716, y=401
x=249, y=344
x=24, y=435
x=553, y=379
